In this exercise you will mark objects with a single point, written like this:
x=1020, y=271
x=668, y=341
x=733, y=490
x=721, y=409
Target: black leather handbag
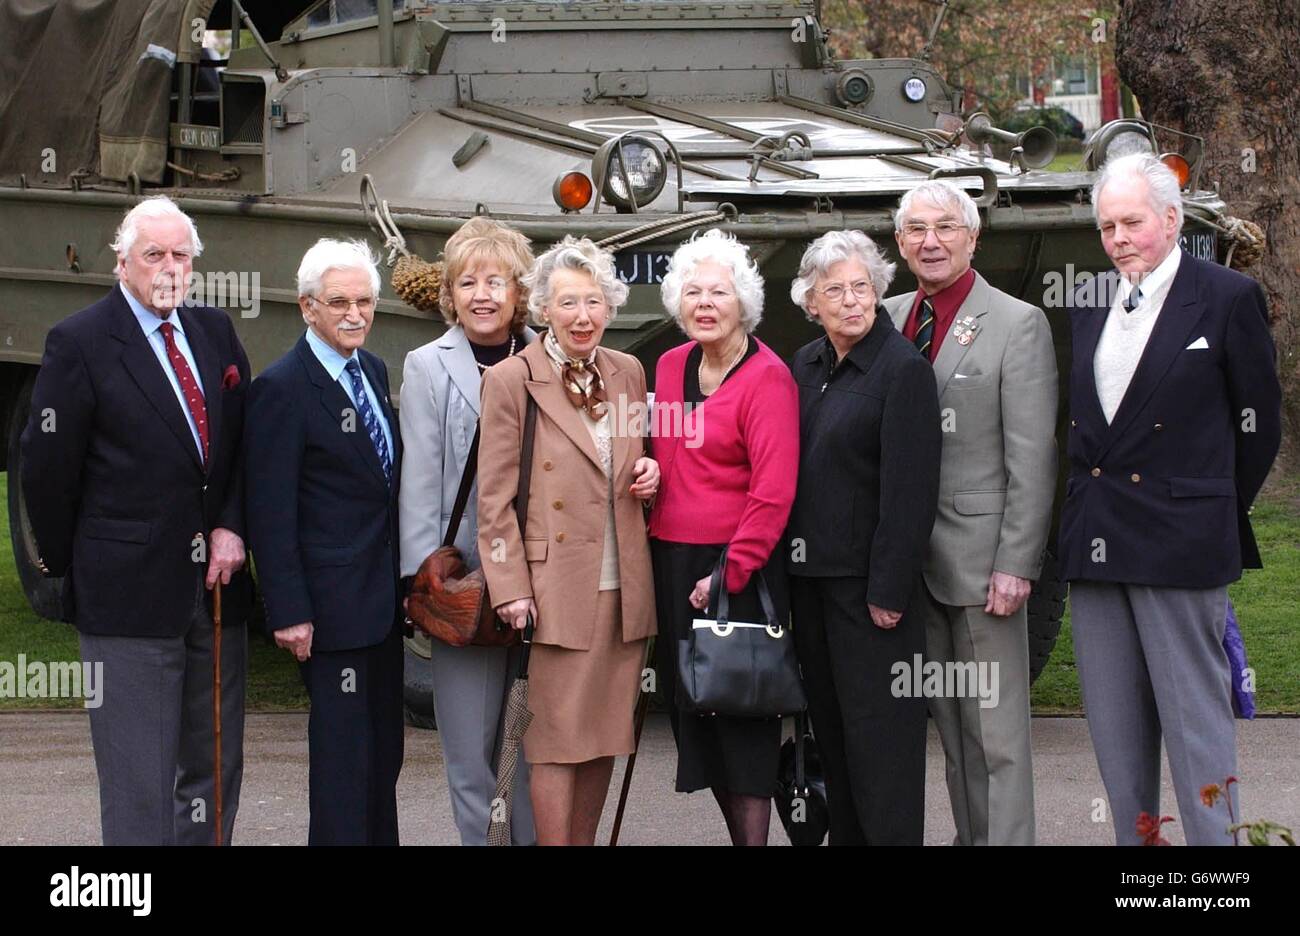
x=801, y=788
x=745, y=669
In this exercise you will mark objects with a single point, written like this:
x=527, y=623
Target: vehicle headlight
x=642, y=165
x=1118, y=138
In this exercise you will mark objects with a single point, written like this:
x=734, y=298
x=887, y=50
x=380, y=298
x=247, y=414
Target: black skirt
x=739, y=755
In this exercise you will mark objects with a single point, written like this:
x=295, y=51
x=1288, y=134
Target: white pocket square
x=1200, y=344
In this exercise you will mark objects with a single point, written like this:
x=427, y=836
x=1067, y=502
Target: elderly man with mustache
x=324, y=459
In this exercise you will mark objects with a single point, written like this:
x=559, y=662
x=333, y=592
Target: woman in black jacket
x=868, y=485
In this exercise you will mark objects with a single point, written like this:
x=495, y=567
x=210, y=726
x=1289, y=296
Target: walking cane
x=216, y=704
x=642, y=703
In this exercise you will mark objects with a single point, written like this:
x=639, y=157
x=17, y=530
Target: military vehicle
x=634, y=123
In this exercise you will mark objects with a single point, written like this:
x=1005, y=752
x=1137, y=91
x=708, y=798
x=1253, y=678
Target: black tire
x=1046, y=607
x=44, y=594
x=417, y=685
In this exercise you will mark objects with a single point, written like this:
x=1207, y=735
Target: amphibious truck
x=633, y=123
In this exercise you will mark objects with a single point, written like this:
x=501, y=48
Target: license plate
x=642, y=267
x=1203, y=245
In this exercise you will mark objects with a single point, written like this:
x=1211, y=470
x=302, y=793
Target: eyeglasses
x=340, y=306
x=835, y=291
x=946, y=231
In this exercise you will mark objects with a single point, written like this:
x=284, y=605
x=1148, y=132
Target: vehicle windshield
x=332, y=12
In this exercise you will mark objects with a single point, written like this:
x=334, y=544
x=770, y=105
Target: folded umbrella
x=517, y=720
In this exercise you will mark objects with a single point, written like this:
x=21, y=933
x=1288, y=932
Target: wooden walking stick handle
x=216, y=709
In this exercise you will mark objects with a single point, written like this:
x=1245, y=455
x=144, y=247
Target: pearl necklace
x=734, y=361
x=482, y=368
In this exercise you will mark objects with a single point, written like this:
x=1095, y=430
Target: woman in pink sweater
x=726, y=436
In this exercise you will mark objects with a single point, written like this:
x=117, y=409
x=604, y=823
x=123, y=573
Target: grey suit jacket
x=439, y=409
x=997, y=478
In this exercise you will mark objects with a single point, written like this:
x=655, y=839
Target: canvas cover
x=85, y=85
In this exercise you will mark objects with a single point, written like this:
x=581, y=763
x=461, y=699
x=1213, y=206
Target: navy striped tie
x=1134, y=300
x=925, y=334
x=370, y=420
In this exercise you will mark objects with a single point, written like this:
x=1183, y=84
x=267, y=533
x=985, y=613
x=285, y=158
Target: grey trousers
x=469, y=690
x=1151, y=663
x=986, y=748
x=153, y=734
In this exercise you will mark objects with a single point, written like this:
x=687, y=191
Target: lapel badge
x=964, y=330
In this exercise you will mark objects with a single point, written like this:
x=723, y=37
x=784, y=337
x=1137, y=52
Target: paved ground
x=48, y=794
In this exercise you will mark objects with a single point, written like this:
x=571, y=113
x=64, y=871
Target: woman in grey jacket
x=485, y=305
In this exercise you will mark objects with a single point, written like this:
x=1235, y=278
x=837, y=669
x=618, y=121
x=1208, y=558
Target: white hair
x=835, y=247
x=156, y=206
x=947, y=195
x=715, y=246
x=1163, y=190
x=574, y=253
x=329, y=254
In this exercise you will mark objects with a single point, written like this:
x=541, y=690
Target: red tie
x=189, y=388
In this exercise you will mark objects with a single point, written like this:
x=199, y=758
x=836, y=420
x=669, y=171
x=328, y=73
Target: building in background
x=1086, y=85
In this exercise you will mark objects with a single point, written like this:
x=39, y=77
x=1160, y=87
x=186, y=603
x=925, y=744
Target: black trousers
x=355, y=737
x=872, y=744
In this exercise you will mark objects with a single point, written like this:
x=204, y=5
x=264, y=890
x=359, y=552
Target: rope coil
x=416, y=281
x=1246, y=238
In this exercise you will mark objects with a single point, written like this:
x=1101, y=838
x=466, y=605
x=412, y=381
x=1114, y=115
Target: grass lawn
x=1066, y=162
x=1267, y=603
x=273, y=681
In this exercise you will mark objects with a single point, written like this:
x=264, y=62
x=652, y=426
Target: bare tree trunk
x=1228, y=72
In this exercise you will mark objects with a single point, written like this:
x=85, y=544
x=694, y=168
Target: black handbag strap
x=462, y=494
x=800, y=774
x=526, y=464
x=521, y=509
x=719, y=600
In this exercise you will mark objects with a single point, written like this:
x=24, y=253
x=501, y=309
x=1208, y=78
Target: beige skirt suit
x=584, y=557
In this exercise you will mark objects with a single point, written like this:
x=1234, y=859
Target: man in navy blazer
x=133, y=479
x=1175, y=421
x=324, y=458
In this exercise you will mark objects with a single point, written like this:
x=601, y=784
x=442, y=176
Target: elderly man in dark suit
x=324, y=458
x=132, y=474
x=1176, y=415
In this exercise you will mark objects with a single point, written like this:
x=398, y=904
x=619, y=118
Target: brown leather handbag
x=449, y=602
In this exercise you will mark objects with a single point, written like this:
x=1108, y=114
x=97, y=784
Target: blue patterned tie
x=369, y=419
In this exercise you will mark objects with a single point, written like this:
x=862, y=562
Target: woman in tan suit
x=581, y=569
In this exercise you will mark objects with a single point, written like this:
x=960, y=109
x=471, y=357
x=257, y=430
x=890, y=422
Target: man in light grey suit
x=482, y=301
x=996, y=370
